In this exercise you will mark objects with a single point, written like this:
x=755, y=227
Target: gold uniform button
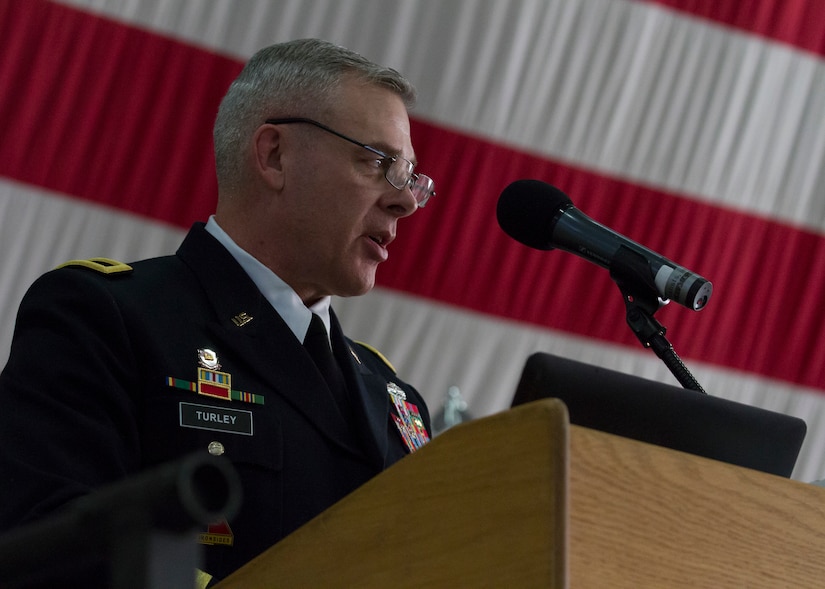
x=215, y=448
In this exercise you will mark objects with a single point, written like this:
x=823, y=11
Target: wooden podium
x=523, y=499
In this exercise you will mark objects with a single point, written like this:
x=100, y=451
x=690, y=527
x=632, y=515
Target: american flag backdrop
x=694, y=127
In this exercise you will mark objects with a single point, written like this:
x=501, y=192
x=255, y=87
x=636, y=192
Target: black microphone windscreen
x=528, y=209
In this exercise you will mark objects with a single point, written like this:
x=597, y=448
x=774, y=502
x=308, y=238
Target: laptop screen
x=669, y=416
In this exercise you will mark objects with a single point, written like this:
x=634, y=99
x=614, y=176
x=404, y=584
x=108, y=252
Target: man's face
x=339, y=213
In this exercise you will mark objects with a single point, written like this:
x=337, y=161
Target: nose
x=400, y=203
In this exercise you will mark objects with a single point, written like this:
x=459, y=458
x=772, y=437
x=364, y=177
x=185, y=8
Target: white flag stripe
x=39, y=231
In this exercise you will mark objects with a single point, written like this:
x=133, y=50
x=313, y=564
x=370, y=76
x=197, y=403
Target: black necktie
x=317, y=344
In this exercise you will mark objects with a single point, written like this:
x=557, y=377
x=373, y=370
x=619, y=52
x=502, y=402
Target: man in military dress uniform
x=118, y=367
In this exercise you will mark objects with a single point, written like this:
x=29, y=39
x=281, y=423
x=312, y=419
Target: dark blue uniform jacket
x=103, y=381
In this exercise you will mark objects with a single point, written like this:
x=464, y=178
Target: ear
x=267, y=147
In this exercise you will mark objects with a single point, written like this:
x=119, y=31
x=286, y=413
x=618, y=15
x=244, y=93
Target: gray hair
x=287, y=80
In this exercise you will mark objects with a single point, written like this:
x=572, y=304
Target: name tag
x=216, y=419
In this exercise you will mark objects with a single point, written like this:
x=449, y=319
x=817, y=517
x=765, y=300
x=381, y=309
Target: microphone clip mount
x=630, y=272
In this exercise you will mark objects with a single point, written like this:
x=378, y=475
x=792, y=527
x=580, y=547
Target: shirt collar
x=280, y=295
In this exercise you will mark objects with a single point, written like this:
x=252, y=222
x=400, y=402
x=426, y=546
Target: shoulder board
x=379, y=354
x=102, y=265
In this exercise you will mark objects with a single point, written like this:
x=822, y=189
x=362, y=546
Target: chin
x=353, y=280
x=361, y=291
x=356, y=289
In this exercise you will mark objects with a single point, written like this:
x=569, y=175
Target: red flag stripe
x=128, y=124
x=800, y=23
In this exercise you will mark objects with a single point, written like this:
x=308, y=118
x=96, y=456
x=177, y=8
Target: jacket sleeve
x=68, y=422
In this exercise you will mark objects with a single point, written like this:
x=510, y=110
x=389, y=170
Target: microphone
x=542, y=217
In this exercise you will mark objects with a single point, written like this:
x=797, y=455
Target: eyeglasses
x=397, y=170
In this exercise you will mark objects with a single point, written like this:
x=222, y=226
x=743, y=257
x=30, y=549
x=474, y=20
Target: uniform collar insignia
x=242, y=319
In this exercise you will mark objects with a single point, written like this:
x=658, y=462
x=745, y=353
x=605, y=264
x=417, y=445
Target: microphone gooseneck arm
x=629, y=272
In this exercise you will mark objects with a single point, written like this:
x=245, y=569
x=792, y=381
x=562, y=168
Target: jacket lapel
x=264, y=342
x=368, y=392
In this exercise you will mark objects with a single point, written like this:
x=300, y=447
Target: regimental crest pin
x=208, y=359
x=396, y=392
